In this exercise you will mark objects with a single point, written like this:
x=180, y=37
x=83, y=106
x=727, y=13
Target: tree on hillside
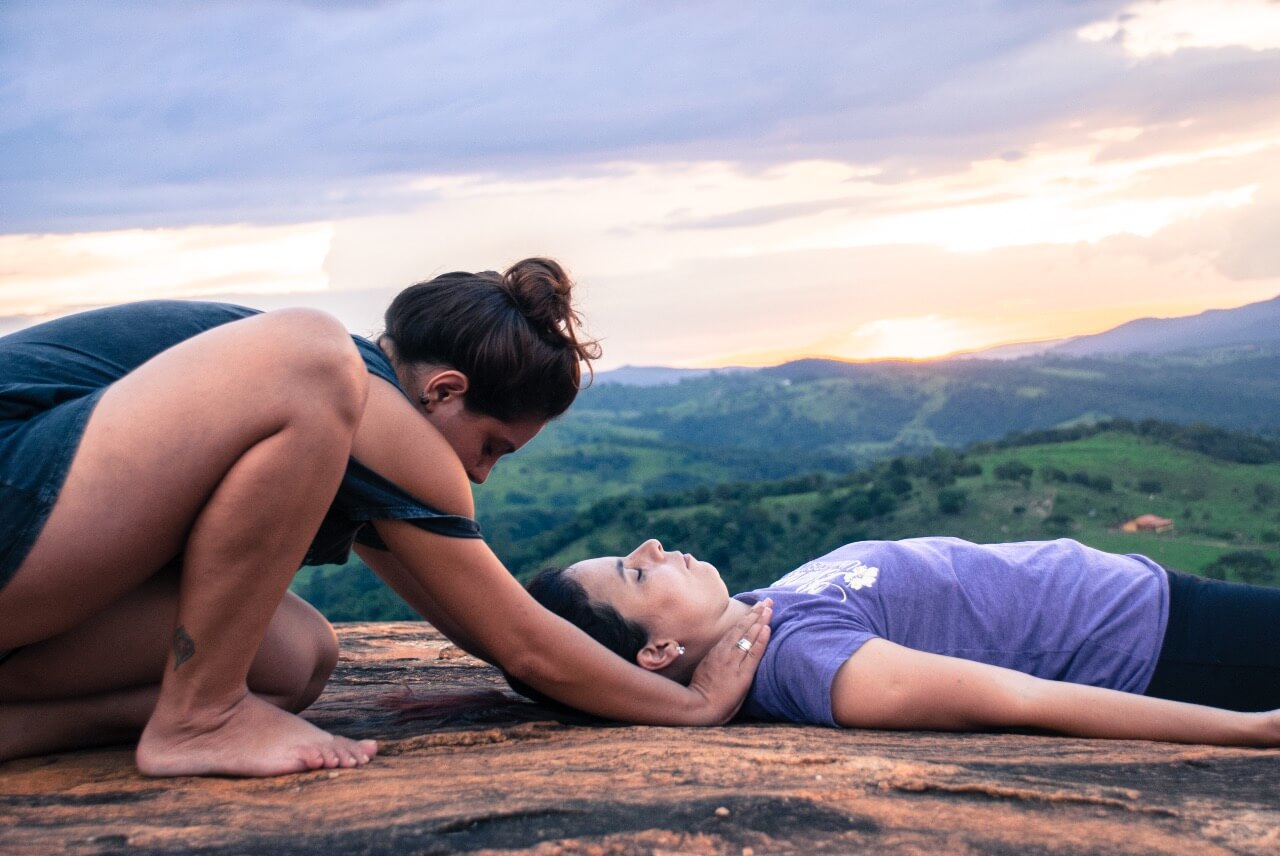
x=1248, y=566
x=1014, y=471
x=952, y=500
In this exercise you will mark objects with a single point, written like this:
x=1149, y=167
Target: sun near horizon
x=933, y=337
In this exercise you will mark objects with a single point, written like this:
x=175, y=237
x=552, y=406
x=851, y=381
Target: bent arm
x=485, y=605
x=884, y=685
x=462, y=587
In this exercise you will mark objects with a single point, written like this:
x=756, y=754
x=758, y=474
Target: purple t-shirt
x=1053, y=609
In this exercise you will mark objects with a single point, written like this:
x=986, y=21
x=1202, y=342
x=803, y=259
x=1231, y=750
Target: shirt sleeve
x=367, y=496
x=800, y=665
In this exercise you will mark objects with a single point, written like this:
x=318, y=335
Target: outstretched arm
x=486, y=610
x=460, y=583
x=392, y=572
x=884, y=685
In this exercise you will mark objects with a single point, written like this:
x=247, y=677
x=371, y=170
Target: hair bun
x=543, y=292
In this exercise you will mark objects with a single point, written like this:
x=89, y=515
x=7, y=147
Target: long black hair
x=561, y=594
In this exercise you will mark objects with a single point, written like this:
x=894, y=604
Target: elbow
x=1022, y=706
x=530, y=667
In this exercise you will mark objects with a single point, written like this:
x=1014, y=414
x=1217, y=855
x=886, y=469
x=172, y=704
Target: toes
x=347, y=756
x=331, y=757
x=357, y=751
x=368, y=748
x=312, y=757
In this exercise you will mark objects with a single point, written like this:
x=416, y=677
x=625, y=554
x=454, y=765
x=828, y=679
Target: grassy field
x=570, y=502
x=1214, y=504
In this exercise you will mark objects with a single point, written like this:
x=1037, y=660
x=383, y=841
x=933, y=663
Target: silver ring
x=744, y=644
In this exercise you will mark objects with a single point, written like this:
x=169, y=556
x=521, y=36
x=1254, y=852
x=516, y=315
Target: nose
x=651, y=548
x=480, y=472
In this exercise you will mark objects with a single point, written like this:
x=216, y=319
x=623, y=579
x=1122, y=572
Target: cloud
x=724, y=178
x=151, y=114
x=878, y=301
x=1154, y=28
x=1251, y=250
x=49, y=274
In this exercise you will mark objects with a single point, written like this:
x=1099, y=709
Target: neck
x=698, y=648
x=404, y=373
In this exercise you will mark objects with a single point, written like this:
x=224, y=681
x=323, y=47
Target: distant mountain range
x=1255, y=324
x=655, y=375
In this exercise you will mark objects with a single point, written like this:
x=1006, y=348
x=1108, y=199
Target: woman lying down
x=939, y=633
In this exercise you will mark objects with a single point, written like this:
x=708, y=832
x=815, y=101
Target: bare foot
x=253, y=738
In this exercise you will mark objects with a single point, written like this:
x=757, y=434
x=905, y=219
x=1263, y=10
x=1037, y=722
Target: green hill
x=827, y=416
x=1221, y=489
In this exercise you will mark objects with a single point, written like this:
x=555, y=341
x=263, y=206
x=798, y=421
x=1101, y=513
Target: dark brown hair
x=564, y=596
x=515, y=335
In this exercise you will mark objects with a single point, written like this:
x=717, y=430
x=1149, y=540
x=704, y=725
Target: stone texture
x=513, y=779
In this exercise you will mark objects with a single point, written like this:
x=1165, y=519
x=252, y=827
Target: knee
x=299, y=654
x=316, y=666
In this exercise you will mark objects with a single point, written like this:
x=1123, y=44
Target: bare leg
x=97, y=684
x=42, y=727
x=227, y=449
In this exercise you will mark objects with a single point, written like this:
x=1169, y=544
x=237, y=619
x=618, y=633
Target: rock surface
x=523, y=782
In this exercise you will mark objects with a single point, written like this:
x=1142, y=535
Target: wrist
x=1258, y=729
x=698, y=709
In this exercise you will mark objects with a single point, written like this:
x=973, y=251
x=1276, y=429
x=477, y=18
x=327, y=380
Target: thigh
x=127, y=645
x=1221, y=646
x=157, y=445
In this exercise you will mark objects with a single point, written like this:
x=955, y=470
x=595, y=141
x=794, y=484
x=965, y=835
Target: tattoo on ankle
x=183, y=647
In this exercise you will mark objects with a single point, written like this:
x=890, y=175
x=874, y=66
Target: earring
x=679, y=650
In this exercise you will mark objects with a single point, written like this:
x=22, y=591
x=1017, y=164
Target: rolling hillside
x=828, y=416
x=1221, y=490
x=758, y=469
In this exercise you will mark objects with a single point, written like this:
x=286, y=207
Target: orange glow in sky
x=1164, y=201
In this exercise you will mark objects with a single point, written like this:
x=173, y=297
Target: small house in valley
x=1148, y=523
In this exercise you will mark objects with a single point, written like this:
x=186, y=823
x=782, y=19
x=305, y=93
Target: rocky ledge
x=514, y=778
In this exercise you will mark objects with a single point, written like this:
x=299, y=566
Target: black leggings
x=1222, y=645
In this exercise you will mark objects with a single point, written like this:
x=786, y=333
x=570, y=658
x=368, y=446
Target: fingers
x=750, y=634
x=753, y=642
x=761, y=611
x=762, y=642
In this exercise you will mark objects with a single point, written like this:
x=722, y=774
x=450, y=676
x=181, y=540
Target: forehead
x=518, y=432
x=591, y=572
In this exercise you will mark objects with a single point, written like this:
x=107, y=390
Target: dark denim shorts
x=35, y=455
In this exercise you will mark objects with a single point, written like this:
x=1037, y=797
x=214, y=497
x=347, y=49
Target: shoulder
x=396, y=442
x=813, y=636
x=377, y=362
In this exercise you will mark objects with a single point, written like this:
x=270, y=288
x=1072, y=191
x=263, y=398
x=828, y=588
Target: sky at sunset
x=729, y=182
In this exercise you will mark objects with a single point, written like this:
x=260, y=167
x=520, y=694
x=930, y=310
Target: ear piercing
x=679, y=650
x=425, y=398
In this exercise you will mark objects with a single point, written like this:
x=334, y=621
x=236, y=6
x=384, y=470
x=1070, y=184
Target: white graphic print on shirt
x=816, y=576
